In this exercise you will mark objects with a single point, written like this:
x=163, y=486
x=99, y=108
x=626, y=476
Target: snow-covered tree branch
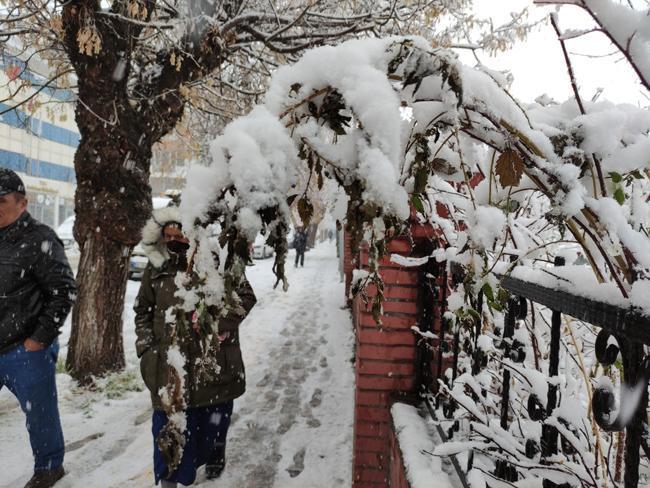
x=399, y=125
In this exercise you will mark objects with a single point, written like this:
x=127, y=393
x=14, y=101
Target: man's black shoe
x=213, y=471
x=45, y=478
x=215, y=467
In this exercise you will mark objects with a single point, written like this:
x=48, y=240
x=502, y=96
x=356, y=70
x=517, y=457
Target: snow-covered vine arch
x=396, y=123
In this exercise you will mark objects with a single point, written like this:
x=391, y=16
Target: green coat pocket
x=149, y=369
x=233, y=368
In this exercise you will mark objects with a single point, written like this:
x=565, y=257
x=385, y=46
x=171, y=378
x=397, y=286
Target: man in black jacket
x=37, y=289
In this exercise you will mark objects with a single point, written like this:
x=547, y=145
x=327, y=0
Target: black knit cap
x=10, y=182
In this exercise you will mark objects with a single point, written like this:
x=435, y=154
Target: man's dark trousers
x=30, y=376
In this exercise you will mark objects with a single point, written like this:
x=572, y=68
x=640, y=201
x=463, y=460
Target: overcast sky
x=538, y=64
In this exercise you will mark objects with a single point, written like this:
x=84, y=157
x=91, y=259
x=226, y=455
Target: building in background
x=170, y=161
x=38, y=139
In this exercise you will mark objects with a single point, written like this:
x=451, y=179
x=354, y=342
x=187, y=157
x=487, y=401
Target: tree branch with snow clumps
x=338, y=113
x=515, y=181
x=626, y=27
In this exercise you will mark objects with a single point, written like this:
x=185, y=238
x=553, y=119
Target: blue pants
x=30, y=376
x=207, y=428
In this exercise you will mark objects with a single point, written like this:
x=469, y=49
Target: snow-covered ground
x=292, y=428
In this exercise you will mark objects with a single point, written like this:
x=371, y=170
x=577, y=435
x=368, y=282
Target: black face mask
x=178, y=248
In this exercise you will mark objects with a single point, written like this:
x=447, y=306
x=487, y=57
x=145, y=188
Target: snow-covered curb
x=416, y=443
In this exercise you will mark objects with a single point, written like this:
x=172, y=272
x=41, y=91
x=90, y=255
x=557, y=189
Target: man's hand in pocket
x=32, y=346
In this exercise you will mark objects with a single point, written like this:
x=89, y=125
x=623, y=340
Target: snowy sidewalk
x=292, y=428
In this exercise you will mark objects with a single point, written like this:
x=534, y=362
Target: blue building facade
x=38, y=139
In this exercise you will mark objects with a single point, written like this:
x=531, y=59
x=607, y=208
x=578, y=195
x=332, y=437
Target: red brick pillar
x=386, y=358
x=385, y=366
x=397, y=471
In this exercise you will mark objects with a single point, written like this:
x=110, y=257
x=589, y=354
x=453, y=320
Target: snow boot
x=168, y=484
x=45, y=478
x=216, y=465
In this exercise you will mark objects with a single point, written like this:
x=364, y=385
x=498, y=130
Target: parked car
x=138, y=259
x=261, y=250
x=64, y=231
x=137, y=263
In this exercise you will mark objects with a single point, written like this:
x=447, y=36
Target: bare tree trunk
x=118, y=128
x=112, y=203
x=96, y=339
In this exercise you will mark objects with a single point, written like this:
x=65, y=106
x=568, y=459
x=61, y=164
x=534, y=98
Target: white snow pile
x=589, y=169
x=408, y=262
x=256, y=156
x=485, y=225
x=423, y=470
x=373, y=151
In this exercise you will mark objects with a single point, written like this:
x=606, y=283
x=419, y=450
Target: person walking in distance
x=209, y=398
x=37, y=289
x=300, y=245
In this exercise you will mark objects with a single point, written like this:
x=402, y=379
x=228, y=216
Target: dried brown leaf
x=509, y=168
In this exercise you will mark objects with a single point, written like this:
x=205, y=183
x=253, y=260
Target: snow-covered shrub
x=403, y=127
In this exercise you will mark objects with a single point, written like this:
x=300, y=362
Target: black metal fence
x=438, y=363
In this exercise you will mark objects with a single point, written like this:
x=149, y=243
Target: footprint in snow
x=316, y=398
x=298, y=463
x=73, y=446
x=142, y=417
x=118, y=448
x=313, y=423
x=285, y=425
x=264, y=381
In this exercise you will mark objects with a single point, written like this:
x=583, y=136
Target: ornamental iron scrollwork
x=623, y=335
x=603, y=403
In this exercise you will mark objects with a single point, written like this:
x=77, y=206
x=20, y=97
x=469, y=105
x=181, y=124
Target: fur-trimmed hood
x=153, y=243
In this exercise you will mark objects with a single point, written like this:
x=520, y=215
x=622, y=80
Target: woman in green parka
x=208, y=397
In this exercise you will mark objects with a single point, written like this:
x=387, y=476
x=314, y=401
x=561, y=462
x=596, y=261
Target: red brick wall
x=385, y=358
x=397, y=473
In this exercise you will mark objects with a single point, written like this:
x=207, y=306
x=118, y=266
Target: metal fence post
x=632, y=367
x=427, y=302
x=508, y=332
x=549, y=433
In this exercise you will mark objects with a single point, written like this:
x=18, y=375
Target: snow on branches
x=626, y=27
x=405, y=128
x=393, y=120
